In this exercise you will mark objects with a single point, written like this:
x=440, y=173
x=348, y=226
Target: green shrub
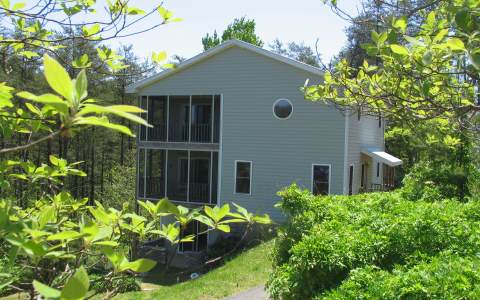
x=436, y=181
x=121, y=284
x=444, y=277
x=325, y=238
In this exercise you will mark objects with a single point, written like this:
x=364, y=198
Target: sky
x=299, y=21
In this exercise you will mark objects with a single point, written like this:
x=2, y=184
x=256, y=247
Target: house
x=231, y=125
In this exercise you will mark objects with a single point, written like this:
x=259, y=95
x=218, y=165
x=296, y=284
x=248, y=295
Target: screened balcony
x=188, y=119
x=186, y=176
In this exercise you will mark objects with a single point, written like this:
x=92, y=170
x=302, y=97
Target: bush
x=121, y=284
x=445, y=277
x=435, y=181
x=325, y=238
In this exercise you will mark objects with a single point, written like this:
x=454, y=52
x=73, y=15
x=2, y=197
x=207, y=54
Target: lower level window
x=321, y=179
x=200, y=238
x=243, y=176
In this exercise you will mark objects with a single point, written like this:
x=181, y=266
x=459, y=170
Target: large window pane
x=141, y=173
x=321, y=180
x=214, y=177
x=157, y=116
x=216, y=119
x=199, y=176
x=179, y=118
x=143, y=129
x=201, y=122
x=243, y=174
x=155, y=174
x=177, y=175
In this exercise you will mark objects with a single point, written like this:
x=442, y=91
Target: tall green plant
x=60, y=238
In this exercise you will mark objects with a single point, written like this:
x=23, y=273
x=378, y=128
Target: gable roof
x=133, y=88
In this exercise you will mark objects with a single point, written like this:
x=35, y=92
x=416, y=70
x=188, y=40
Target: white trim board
x=134, y=88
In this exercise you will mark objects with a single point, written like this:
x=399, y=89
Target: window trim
x=235, y=177
x=329, y=175
x=273, y=109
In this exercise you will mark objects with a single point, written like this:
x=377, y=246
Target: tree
x=241, y=29
x=56, y=238
x=297, y=51
x=416, y=75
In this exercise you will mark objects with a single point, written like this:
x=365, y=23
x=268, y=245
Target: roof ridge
x=215, y=50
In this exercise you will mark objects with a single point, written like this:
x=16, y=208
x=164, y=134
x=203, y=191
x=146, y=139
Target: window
x=282, y=109
x=379, y=122
x=378, y=169
x=359, y=115
x=243, y=177
x=200, y=239
x=321, y=179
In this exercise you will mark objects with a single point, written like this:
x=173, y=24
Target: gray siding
x=363, y=134
x=282, y=151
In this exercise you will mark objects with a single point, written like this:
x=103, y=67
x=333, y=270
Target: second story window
x=243, y=177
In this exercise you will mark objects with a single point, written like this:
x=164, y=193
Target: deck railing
x=201, y=132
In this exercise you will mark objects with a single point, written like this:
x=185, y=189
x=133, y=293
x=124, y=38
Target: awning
x=382, y=156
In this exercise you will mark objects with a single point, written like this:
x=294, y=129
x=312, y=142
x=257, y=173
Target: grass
x=246, y=270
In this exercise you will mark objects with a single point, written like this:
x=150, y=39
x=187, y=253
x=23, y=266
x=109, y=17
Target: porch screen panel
x=201, y=119
x=179, y=119
x=216, y=119
x=214, y=177
x=141, y=174
x=155, y=174
x=157, y=116
x=177, y=175
x=143, y=129
x=199, y=176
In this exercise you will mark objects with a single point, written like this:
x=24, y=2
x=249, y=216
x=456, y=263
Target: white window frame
x=235, y=177
x=329, y=175
x=273, y=109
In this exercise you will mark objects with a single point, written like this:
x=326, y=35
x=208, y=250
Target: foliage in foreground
x=327, y=239
x=60, y=239
x=447, y=276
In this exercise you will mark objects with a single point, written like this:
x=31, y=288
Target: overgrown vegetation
x=340, y=240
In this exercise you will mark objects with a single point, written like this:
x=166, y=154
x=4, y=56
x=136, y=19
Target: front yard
x=246, y=270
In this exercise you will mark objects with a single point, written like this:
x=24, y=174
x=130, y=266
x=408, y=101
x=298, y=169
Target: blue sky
x=300, y=21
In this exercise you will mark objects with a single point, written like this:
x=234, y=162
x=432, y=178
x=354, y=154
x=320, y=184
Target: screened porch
x=180, y=175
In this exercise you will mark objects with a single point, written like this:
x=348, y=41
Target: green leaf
x=48, y=99
x=81, y=85
x=223, y=227
x=118, y=110
x=427, y=57
x=19, y=5
x=58, y=78
x=401, y=24
x=65, y=235
x=462, y=19
x=140, y=265
x=456, y=44
x=45, y=290
x=46, y=215
x=76, y=286
x=103, y=122
x=398, y=49
x=159, y=57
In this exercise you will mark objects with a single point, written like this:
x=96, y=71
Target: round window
x=282, y=109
